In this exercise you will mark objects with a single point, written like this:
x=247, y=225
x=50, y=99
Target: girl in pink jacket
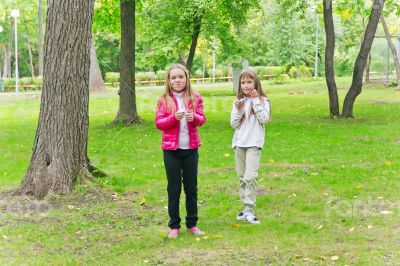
x=179, y=113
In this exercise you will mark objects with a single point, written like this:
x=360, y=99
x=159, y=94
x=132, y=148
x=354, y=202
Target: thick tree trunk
x=96, y=82
x=59, y=157
x=392, y=48
x=195, y=37
x=40, y=38
x=30, y=51
x=356, y=85
x=127, y=113
x=329, y=59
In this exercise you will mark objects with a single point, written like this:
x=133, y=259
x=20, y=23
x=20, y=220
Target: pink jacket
x=166, y=121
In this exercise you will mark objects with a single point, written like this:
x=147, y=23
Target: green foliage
x=301, y=72
x=112, y=77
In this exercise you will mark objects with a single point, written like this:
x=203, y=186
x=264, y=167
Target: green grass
x=323, y=184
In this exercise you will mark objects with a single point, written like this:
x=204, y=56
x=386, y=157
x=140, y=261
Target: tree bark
x=182, y=59
x=392, y=48
x=59, y=157
x=5, y=62
x=30, y=51
x=329, y=59
x=195, y=37
x=356, y=85
x=40, y=38
x=367, y=68
x=127, y=113
x=7, y=70
x=96, y=82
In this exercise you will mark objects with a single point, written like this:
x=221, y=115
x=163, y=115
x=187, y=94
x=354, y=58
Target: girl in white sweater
x=250, y=113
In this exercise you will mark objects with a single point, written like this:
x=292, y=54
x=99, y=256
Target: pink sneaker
x=173, y=233
x=195, y=231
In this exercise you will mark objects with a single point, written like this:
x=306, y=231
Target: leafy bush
x=301, y=72
x=112, y=77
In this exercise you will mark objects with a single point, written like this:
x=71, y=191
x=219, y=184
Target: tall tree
x=361, y=61
x=127, y=113
x=96, y=82
x=59, y=158
x=392, y=48
x=40, y=37
x=174, y=27
x=330, y=59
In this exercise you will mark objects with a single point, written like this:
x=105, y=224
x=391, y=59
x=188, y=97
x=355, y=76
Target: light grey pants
x=247, y=163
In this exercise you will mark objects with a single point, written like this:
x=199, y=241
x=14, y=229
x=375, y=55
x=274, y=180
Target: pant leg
x=173, y=169
x=240, y=158
x=190, y=167
x=253, y=156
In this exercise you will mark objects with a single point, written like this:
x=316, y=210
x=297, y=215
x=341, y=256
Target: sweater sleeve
x=261, y=111
x=236, y=116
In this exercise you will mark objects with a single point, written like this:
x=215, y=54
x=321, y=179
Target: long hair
x=251, y=74
x=188, y=93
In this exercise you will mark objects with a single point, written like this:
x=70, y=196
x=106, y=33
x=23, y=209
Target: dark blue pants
x=181, y=167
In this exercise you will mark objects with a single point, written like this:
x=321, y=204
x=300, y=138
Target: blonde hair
x=188, y=92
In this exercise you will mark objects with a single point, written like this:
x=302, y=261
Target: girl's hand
x=189, y=117
x=239, y=104
x=254, y=94
x=179, y=115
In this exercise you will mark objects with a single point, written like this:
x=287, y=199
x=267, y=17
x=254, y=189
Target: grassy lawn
x=327, y=188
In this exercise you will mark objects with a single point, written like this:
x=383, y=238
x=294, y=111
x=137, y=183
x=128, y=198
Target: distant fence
x=197, y=80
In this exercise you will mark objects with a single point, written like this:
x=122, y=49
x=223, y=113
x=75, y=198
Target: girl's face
x=177, y=79
x=247, y=85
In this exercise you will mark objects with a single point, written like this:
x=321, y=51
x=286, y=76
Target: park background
x=327, y=187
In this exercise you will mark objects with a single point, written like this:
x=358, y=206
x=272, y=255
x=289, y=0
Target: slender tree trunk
x=59, y=157
x=96, y=82
x=329, y=59
x=127, y=113
x=361, y=61
x=9, y=48
x=5, y=62
x=367, y=68
x=392, y=48
x=30, y=51
x=195, y=37
x=40, y=38
x=182, y=59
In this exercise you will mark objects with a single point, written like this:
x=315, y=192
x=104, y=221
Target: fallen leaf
x=235, y=225
x=143, y=201
x=322, y=258
x=334, y=258
x=388, y=163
